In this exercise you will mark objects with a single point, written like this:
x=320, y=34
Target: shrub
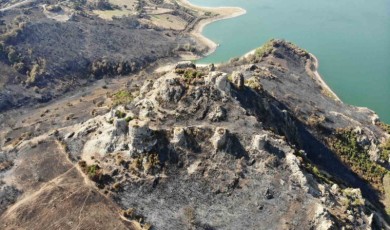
x=254, y=83
x=191, y=73
x=385, y=151
x=92, y=170
x=265, y=50
x=384, y=126
x=128, y=119
x=119, y=114
x=122, y=97
x=346, y=146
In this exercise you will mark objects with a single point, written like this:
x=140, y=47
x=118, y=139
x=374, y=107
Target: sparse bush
x=122, y=97
x=92, y=170
x=128, y=119
x=254, y=83
x=345, y=144
x=384, y=126
x=385, y=151
x=265, y=50
x=191, y=73
x=119, y=114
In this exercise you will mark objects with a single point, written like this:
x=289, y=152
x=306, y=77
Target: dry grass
x=109, y=14
x=168, y=21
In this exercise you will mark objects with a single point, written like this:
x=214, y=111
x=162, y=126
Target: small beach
x=221, y=12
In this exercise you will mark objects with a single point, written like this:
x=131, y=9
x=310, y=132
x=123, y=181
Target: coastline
x=223, y=13
x=320, y=79
x=232, y=12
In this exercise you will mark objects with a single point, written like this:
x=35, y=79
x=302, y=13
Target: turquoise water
x=351, y=39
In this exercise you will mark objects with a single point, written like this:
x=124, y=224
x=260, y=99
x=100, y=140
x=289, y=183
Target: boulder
x=185, y=65
x=322, y=219
x=219, y=139
x=222, y=83
x=179, y=136
x=146, y=108
x=218, y=114
x=259, y=142
x=169, y=89
x=238, y=79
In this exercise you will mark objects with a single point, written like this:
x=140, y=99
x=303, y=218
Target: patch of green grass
x=191, y=73
x=346, y=146
x=128, y=119
x=92, y=170
x=265, y=49
x=385, y=151
x=384, y=126
x=122, y=97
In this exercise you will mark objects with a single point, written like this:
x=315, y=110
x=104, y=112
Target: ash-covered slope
x=254, y=144
x=48, y=48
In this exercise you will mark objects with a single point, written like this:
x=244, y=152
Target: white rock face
x=219, y=138
x=335, y=189
x=222, y=83
x=112, y=137
x=146, y=108
x=179, y=136
x=259, y=141
x=296, y=172
x=211, y=78
x=146, y=87
x=169, y=89
x=322, y=219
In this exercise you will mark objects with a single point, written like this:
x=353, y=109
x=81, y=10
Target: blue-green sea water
x=351, y=39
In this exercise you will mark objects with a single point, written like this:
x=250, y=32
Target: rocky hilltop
x=256, y=143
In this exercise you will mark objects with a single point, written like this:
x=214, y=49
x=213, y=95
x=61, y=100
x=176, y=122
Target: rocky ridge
x=253, y=144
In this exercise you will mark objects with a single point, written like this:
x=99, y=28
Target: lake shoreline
x=222, y=13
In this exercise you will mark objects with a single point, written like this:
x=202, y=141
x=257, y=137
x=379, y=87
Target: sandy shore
x=320, y=80
x=223, y=13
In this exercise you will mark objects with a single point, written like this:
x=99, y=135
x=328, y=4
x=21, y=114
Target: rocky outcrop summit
x=257, y=143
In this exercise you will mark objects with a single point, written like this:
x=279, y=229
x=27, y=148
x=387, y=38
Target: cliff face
x=258, y=143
